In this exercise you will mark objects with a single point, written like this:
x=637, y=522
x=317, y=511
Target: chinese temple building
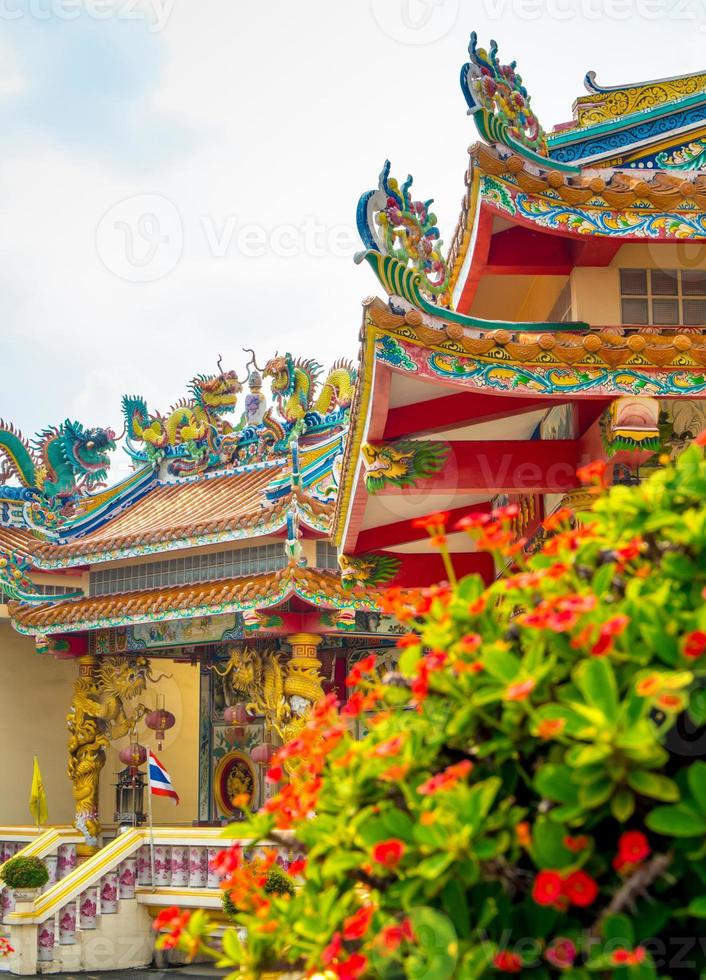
x=202, y=605
x=566, y=323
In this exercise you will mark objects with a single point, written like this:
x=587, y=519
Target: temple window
x=326, y=555
x=663, y=297
x=192, y=569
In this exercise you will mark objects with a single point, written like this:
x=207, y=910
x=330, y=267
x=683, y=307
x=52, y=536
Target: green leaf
x=697, y=908
x=681, y=820
x=554, y=782
x=480, y=799
x=434, y=866
x=587, y=755
x=618, y=927
x=436, y=950
x=501, y=665
x=596, y=794
x=653, y=785
x=596, y=681
x=455, y=904
x=696, y=777
x=409, y=658
x=548, y=850
x=697, y=706
x=622, y=805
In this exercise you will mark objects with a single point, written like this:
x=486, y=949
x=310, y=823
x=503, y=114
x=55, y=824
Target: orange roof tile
x=170, y=513
x=261, y=591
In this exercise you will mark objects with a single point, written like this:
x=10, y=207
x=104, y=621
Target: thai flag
x=159, y=782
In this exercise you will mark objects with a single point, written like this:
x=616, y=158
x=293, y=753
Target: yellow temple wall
x=180, y=755
x=595, y=296
x=35, y=694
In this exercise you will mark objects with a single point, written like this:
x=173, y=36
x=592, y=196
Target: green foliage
x=530, y=797
x=277, y=882
x=24, y=872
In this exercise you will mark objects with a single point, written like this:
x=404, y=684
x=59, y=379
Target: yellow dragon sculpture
x=97, y=716
x=294, y=384
x=283, y=694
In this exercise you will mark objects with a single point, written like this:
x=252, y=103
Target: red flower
x=392, y=746
x=507, y=962
x=548, y=888
x=350, y=969
x=633, y=848
x=521, y=690
x=364, y=666
x=592, y=473
x=432, y=521
x=297, y=867
x=611, y=628
x=332, y=950
x=470, y=642
x=694, y=642
x=700, y=440
x=624, y=957
x=173, y=922
x=576, y=844
x=472, y=522
x=394, y=935
x=389, y=852
x=561, y=953
x=580, y=889
x=446, y=779
x=356, y=925
x=559, y=517
x=226, y=862
x=507, y=513
x=275, y=774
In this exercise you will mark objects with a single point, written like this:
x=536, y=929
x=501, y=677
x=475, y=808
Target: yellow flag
x=37, y=797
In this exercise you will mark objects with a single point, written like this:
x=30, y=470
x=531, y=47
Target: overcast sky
x=179, y=177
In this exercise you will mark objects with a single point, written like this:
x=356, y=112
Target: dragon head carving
x=365, y=570
x=217, y=393
x=401, y=463
x=281, y=370
x=87, y=452
x=125, y=679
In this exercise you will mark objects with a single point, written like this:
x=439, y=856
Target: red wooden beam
x=517, y=466
x=521, y=251
x=595, y=251
x=483, y=233
x=454, y=411
x=402, y=532
x=417, y=571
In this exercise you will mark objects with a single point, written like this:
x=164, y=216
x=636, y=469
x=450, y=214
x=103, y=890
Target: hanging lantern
x=133, y=755
x=262, y=754
x=237, y=714
x=160, y=721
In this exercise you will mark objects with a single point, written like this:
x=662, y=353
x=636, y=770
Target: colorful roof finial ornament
x=403, y=249
x=389, y=221
x=501, y=106
x=16, y=584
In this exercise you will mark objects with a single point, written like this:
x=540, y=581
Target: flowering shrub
x=5, y=948
x=529, y=796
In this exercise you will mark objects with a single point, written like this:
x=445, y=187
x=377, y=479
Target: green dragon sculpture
x=193, y=422
x=401, y=463
x=294, y=384
x=368, y=570
x=61, y=462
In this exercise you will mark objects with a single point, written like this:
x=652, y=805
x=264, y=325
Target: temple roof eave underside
x=319, y=589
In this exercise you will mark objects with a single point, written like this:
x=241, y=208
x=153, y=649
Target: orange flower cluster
x=446, y=779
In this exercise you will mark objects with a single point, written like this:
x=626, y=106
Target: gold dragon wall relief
x=282, y=692
x=98, y=715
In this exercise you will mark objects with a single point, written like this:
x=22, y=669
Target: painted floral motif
x=394, y=353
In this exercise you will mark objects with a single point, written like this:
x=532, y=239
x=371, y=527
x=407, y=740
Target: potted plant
x=26, y=876
x=277, y=882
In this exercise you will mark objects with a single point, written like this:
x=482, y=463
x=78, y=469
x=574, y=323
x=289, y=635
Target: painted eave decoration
x=317, y=588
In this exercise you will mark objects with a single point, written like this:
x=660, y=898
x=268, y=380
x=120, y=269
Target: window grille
x=326, y=555
x=663, y=297
x=190, y=570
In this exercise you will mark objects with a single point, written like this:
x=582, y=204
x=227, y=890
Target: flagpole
x=149, y=818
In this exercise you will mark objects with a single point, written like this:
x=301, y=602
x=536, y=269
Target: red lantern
x=262, y=754
x=237, y=714
x=133, y=755
x=160, y=721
